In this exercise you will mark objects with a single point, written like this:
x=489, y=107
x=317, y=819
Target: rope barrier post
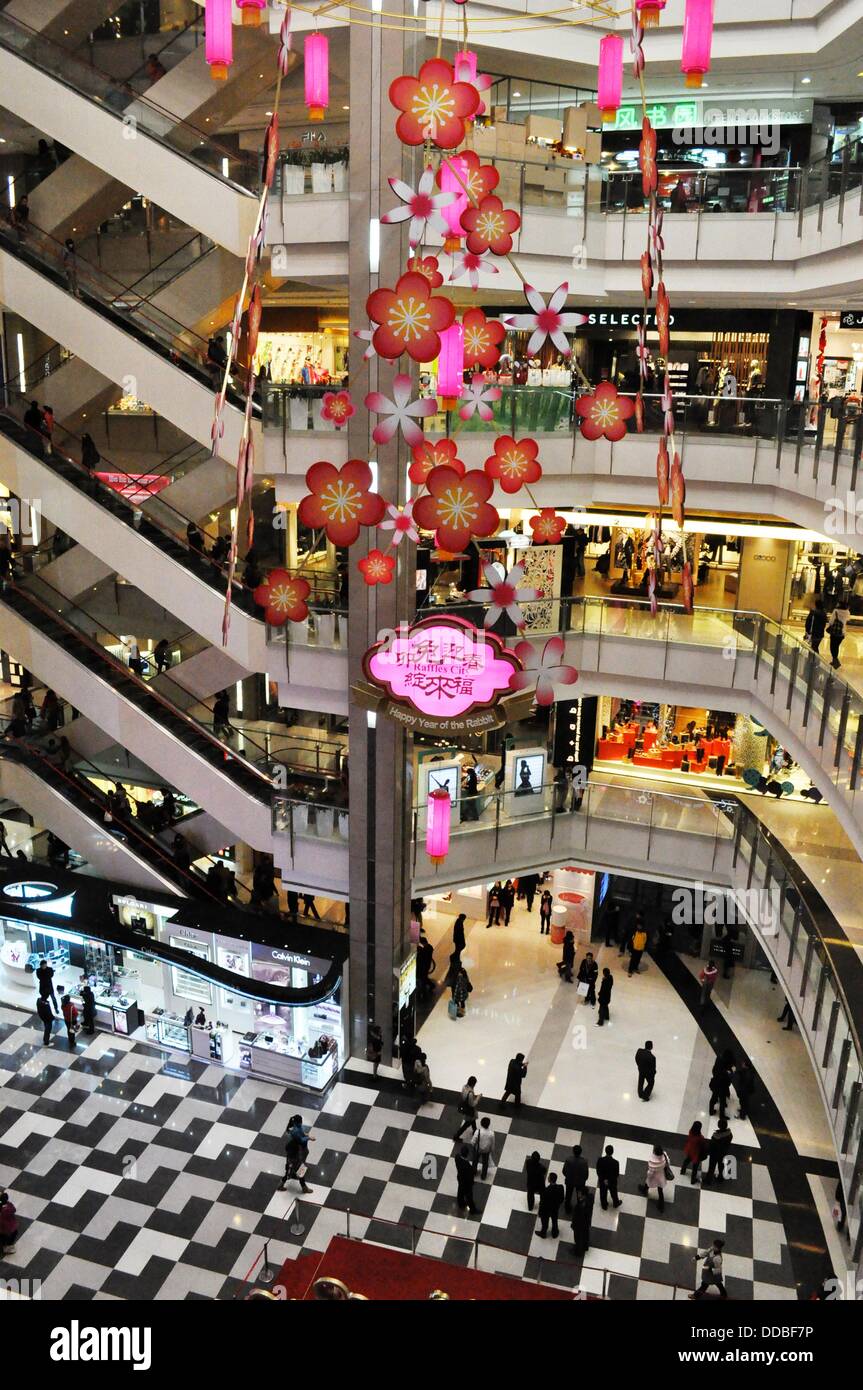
x=296, y=1227
x=267, y=1274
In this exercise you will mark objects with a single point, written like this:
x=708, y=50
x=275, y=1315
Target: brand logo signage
x=441, y=675
x=291, y=958
x=851, y=318
x=622, y=318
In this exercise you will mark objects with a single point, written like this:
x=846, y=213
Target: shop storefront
x=302, y=347
x=253, y=995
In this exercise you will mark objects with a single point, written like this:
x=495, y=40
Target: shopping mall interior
x=431, y=651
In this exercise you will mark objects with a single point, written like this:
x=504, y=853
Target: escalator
x=132, y=137
x=104, y=324
x=137, y=535
x=59, y=642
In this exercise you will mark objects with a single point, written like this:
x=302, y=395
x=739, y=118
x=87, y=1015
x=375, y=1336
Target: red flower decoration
x=282, y=597
x=427, y=266
x=604, y=414
x=480, y=179
x=456, y=508
x=662, y=471
x=410, y=319
x=678, y=492
x=337, y=407
x=663, y=319
x=339, y=500
x=440, y=454
x=639, y=412
x=647, y=158
x=377, y=568
x=490, y=226
x=434, y=106
x=482, y=339
x=513, y=462
x=547, y=527
x=646, y=274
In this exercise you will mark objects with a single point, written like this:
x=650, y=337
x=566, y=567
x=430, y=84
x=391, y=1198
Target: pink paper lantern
x=697, y=40
x=251, y=10
x=449, y=183
x=610, y=76
x=437, y=830
x=317, y=72
x=450, y=366
x=465, y=66
x=218, y=38
x=649, y=11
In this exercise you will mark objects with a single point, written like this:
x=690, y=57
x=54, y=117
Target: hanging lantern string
x=556, y=18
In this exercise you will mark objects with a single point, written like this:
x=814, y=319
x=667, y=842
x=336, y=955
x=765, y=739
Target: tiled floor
x=140, y=1175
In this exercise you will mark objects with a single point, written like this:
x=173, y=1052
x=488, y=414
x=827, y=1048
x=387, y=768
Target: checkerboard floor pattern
x=141, y=1175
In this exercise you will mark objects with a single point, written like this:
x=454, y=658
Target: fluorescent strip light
x=374, y=245
x=10, y=184
x=21, y=374
x=239, y=693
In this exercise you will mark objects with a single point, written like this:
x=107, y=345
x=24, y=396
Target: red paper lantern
x=218, y=38
x=438, y=827
x=610, y=85
x=316, y=57
x=251, y=10
x=450, y=366
x=697, y=40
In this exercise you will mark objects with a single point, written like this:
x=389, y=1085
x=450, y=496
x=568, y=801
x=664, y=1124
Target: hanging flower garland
x=504, y=595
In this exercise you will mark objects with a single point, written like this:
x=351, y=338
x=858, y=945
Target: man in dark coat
x=581, y=1218
x=515, y=1074
x=550, y=1202
x=646, y=1063
x=534, y=1173
x=607, y=1174
x=465, y=1171
x=575, y=1173
x=606, y=985
x=46, y=1014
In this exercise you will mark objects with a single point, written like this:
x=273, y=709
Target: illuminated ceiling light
x=806, y=80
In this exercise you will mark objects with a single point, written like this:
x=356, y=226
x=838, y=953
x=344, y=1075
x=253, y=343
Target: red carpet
x=394, y=1276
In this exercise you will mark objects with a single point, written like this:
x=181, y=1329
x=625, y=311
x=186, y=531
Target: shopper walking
x=374, y=1046
x=422, y=1079
x=718, y=1149
x=468, y=1107
x=310, y=907
x=221, y=715
x=606, y=985
x=550, y=1202
x=587, y=973
x=507, y=899
x=744, y=1085
x=646, y=1064
x=711, y=1270
x=8, y=1225
x=464, y=1175
x=694, y=1151
x=612, y=924
x=787, y=1017
x=296, y=1153
x=409, y=1052
x=546, y=903
x=484, y=1146
x=494, y=905
x=70, y=1018
x=458, y=938
x=515, y=1073
x=658, y=1174
x=607, y=1177
x=47, y=1015
x=836, y=634
x=582, y=1216
x=69, y=262
x=88, y=1010
x=720, y=1083
x=45, y=983
x=534, y=1176
x=816, y=623
x=708, y=978
x=639, y=943
x=461, y=988
x=530, y=883
x=567, y=960
x=575, y=1175
x=469, y=795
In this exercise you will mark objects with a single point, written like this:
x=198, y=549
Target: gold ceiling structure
x=572, y=16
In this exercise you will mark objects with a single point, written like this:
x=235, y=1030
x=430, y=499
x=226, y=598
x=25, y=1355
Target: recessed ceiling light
x=806, y=79
x=516, y=94
x=346, y=108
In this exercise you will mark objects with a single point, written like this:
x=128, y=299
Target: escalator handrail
x=107, y=658
x=240, y=596
x=204, y=137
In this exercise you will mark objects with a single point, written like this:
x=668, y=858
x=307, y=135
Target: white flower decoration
x=503, y=595
x=547, y=321
x=421, y=206
x=401, y=412
x=469, y=264
x=479, y=394
x=401, y=523
x=366, y=335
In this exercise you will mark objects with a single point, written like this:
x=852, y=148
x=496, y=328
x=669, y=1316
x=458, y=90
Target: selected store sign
x=442, y=675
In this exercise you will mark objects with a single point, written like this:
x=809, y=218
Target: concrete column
x=380, y=779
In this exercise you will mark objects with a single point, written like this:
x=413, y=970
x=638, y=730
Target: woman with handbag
x=659, y=1173
x=694, y=1151
x=461, y=988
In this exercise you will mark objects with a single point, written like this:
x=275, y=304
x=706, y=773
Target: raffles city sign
x=442, y=675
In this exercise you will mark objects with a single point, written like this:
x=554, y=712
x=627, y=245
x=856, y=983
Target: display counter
x=280, y=1058
x=115, y=1013
x=169, y=1030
